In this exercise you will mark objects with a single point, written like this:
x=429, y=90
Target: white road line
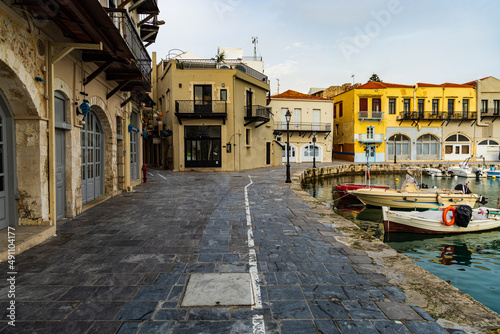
x=151, y=174
x=257, y=320
x=163, y=177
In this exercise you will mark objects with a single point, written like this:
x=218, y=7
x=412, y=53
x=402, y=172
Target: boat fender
x=445, y=218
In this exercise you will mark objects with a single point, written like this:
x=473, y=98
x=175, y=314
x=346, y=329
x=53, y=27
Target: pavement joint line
x=257, y=320
x=163, y=177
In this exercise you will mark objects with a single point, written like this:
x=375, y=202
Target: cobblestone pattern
x=122, y=266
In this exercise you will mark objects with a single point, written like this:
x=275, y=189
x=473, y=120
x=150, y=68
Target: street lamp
x=314, y=149
x=394, y=148
x=288, y=117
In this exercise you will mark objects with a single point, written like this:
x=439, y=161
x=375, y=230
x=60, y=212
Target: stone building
x=217, y=114
x=73, y=79
x=310, y=126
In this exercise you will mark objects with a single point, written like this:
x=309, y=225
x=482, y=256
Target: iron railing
x=420, y=115
x=370, y=138
x=490, y=112
x=200, y=107
x=377, y=115
x=304, y=126
x=226, y=64
x=132, y=38
x=257, y=111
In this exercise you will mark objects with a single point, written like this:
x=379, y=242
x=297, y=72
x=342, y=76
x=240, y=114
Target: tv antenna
x=278, y=85
x=255, y=40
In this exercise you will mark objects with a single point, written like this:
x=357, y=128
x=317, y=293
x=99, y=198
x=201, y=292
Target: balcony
x=187, y=64
x=256, y=113
x=370, y=116
x=303, y=128
x=490, y=112
x=123, y=58
x=369, y=138
x=437, y=115
x=200, y=110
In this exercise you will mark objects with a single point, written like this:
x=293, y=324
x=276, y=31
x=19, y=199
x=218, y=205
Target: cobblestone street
x=123, y=266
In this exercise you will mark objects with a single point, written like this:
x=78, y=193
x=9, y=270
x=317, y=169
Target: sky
x=322, y=43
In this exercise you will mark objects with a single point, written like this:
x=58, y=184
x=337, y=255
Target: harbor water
x=470, y=261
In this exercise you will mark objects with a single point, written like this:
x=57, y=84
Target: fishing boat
x=410, y=196
x=344, y=189
x=464, y=170
x=492, y=172
x=434, y=222
x=437, y=172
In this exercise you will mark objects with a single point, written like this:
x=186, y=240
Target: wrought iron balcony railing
x=304, y=127
x=256, y=111
x=226, y=64
x=126, y=27
x=490, y=112
x=200, y=107
x=430, y=115
x=371, y=115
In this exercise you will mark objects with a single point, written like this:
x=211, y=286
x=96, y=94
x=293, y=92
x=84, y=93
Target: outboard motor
x=482, y=200
x=463, y=188
x=424, y=186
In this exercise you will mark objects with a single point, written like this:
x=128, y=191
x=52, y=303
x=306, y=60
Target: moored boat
x=344, y=189
x=411, y=197
x=432, y=221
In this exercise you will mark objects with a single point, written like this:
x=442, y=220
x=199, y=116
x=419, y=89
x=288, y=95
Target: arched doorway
x=398, y=145
x=457, y=147
x=428, y=147
x=307, y=153
x=293, y=153
x=489, y=149
x=92, y=168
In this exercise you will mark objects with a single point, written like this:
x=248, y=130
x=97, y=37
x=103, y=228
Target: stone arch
x=19, y=86
x=110, y=157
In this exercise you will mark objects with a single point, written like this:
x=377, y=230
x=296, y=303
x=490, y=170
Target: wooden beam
x=137, y=4
x=145, y=20
x=132, y=95
x=116, y=89
x=123, y=76
x=124, y=3
x=94, y=74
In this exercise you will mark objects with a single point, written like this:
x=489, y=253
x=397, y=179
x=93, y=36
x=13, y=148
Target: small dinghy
x=453, y=219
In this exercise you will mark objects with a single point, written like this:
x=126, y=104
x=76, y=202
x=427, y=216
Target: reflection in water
x=471, y=261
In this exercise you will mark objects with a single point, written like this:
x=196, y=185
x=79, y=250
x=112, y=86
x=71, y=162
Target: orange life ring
x=445, y=218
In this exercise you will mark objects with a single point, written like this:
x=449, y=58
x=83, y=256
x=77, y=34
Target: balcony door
x=92, y=168
x=203, y=99
x=249, y=98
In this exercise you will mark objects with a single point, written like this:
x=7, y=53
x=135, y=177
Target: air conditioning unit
x=399, y=118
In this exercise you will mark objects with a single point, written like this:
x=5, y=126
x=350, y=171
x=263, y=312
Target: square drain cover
x=231, y=289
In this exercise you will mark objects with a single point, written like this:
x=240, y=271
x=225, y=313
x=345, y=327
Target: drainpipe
x=53, y=58
x=478, y=106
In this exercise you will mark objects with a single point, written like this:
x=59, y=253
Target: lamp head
x=288, y=116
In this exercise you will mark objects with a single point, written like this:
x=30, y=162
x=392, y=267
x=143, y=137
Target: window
x=484, y=106
x=406, y=105
x=420, y=105
x=283, y=118
x=375, y=104
x=296, y=116
x=496, y=107
x=392, y=106
x=370, y=132
x=247, y=137
x=60, y=107
x=341, y=110
x=435, y=106
x=223, y=94
x=202, y=146
x=451, y=106
x=465, y=105
x=337, y=129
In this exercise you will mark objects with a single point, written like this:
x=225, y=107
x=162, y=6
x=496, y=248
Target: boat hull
x=344, y=189
x=410, y=200
x=431, y=223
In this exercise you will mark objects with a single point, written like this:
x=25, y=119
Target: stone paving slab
x=122, y=266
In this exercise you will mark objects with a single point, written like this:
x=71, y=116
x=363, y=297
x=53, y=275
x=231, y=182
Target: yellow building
x=311, y=122
x=391, y=122
x=217, y=114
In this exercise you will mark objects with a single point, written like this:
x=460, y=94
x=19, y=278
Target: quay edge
x=450, y=307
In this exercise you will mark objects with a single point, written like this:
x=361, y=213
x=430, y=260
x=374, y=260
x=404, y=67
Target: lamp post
x=394, y=148
x=288, y=116
x=314, y=149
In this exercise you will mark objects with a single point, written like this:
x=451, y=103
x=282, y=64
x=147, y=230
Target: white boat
x=431, y=221
x=464, y=170
x=437, y=172
x=411, y=197
x=492, y=172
